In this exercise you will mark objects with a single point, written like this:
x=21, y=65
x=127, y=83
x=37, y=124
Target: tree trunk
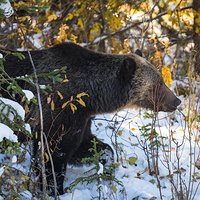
x=196, y=37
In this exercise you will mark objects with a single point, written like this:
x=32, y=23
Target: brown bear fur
x=112, y=82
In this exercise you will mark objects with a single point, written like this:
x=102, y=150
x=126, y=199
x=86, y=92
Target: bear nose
x=177, y=102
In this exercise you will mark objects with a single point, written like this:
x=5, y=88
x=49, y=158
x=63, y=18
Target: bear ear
x=127, y=69
x=139, y=52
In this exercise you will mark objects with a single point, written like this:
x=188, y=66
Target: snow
x=7, y=8
x=2, y=170
x=6, y=132
x=14, y=159
x=29, y=95
x=19, y=109
x=136, y=180
x=25, y=195
x=28, y=127
x=172, y=7
x=100, y=169
x=77, y=194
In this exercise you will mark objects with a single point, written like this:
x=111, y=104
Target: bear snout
x=169, y=102
x=171, y=106
x=177, y=102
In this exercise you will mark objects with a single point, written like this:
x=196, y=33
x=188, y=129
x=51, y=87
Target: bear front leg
x=59, y=161
x=106, y=157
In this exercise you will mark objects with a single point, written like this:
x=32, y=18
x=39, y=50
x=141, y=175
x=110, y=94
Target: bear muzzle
x=170, y=106
x=169, y=101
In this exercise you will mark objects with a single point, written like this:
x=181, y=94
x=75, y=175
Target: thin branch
x=41, y=117
x=52, y=166
x=136, y=23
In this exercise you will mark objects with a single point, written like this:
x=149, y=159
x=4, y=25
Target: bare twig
x=42, y=134
x=136, y=23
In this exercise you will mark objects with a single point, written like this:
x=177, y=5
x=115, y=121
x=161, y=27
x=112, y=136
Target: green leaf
x=152, y=181
x=132, y=160
x=120, y=132
x=114, y=189
x=19, y=55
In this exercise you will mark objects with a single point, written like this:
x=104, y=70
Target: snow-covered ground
x=135, y=178
x=177, y=156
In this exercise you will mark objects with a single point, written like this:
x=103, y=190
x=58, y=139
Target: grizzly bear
x=93, y=83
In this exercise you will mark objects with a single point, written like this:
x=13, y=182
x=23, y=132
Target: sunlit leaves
x=80, y=23
x=114, y=23
x=67, y=102
x=81, y=102
x=73, y=100
x=52, y=17
x=62, y=34
x=73, y=107
x=81, y=94
x=167, y=75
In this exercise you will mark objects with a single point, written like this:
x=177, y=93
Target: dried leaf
x=46, y=157
x=132, y=129
x=49, y=99
x=73, y=107
x=60, y=95
x=81, y=95
x=65, y=104
x=26, y=108
x=52, y=105
x=80, y=101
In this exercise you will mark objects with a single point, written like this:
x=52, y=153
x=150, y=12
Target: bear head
x=149, y=91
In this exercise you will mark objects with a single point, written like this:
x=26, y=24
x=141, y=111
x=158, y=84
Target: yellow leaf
x=73, y=38
x=62, y=35
x=166, y=74
x=46, y=157
x=69, y=16
x=115, y=22
x=60, y=95
x=196, y=140
x=132, y=129
x=36, y=135
x=114, y=188
x=23, y=98
x=81, y=95
x=65, y=80
x=81, y=102
x=80, y=23
x=26, y=108
x=73, y=107
x=52, y=17
x=49, y=99
x=37, y=30
x=52, y=105
x=120, y=132
x=158, y=55
x=65, y=104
